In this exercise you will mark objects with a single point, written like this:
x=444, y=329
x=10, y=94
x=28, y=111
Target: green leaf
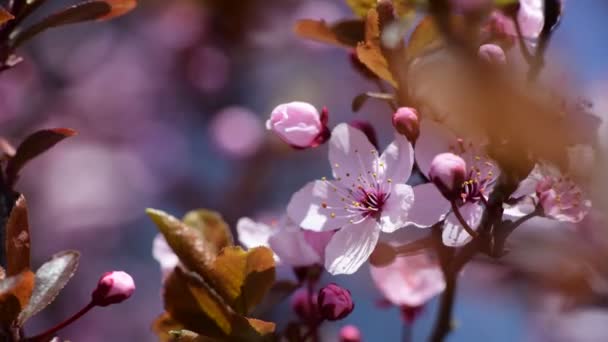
x=51, y=278
x=33, y=146
x=18, y=239
x=212, y=226
x=189, y=244
x=15, y=294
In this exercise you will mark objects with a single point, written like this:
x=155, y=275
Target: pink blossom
x=368, y=195
x=406, y=122
x=481, y=174
x=448, y=172
x=530, y=18
x=335, y=302
x=350, y=333
x=557, y=194
x=410, y=280
x=492, y=54
x=291, y=245
x=113, y=288
x=299, y=124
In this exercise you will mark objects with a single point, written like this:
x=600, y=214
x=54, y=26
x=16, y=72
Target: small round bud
x=367, y=129
x=299, y=124
x=448, y=172
x=335, y=302
x=406, y=122
x=113, y=288
x=350, y=333
x=492, y=54
x=300, y=304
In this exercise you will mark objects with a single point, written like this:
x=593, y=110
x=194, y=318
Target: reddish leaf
x=119, y=7
x=33, y=146
x=344, y=33
x=5, y=16
x=18, y=239
x=15, y=294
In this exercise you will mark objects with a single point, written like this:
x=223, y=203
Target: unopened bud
x=335, y=302
x=299, y=124
x=492, y=54
x=113, y=288
x=406, y=122
x=350, y=333
x=448, y=172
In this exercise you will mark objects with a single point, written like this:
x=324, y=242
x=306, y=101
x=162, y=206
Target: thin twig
x=462, y=221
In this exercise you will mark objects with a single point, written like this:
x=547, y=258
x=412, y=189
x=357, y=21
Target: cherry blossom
x=409, y=281
x=291, y=245
x=481, y=174
x=368, y=195
x=557, y=194
x=299, y=124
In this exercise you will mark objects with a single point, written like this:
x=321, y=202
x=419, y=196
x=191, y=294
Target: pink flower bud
x=350, y=333
x=301, y=305
x=492, y=54
x=367, y=129
x=405, y=121
x=113, y=288
x=448, y=172
x=335, y=302
x=299, y=124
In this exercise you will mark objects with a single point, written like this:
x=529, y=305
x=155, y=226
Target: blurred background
x=170, y=103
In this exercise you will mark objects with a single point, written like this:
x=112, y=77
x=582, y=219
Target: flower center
x=370, y=201
x=481, y=174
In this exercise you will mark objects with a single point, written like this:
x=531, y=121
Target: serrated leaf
x=15, y=294
x=371, y=55
x=212, y=226
x=426, y=35
x=119, y=8
x=33, y=146
x=188, y=243
x=361, y=99
x=17, y=242
x=51, y=278
x=343, y=33
x=243, y=277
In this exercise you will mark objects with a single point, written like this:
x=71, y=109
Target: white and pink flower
x=409, y=281
x=481, y=174
x=291, y=245
x=367, y=196
x=557, y=194
x=299, y=124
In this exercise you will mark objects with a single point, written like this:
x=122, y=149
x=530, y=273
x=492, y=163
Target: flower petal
x=396, y=208
x=454, y=235
x=253, y=234
x=397, y=160
x=351, y=154
x=411, y=280
x=318, y=206
x=293, y=249
x=434, y=139
x=350, y=247
x=429, y=206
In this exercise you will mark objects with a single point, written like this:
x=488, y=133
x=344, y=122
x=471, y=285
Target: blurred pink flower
x=299, y=124
x=291, y=245
x=164, y=255
x=350, y=333
x=406, y=121
x=492, y=54
x=368, y=195
x=409, y=281
x=481, y=174
x=236, y=131
x=558, y=195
